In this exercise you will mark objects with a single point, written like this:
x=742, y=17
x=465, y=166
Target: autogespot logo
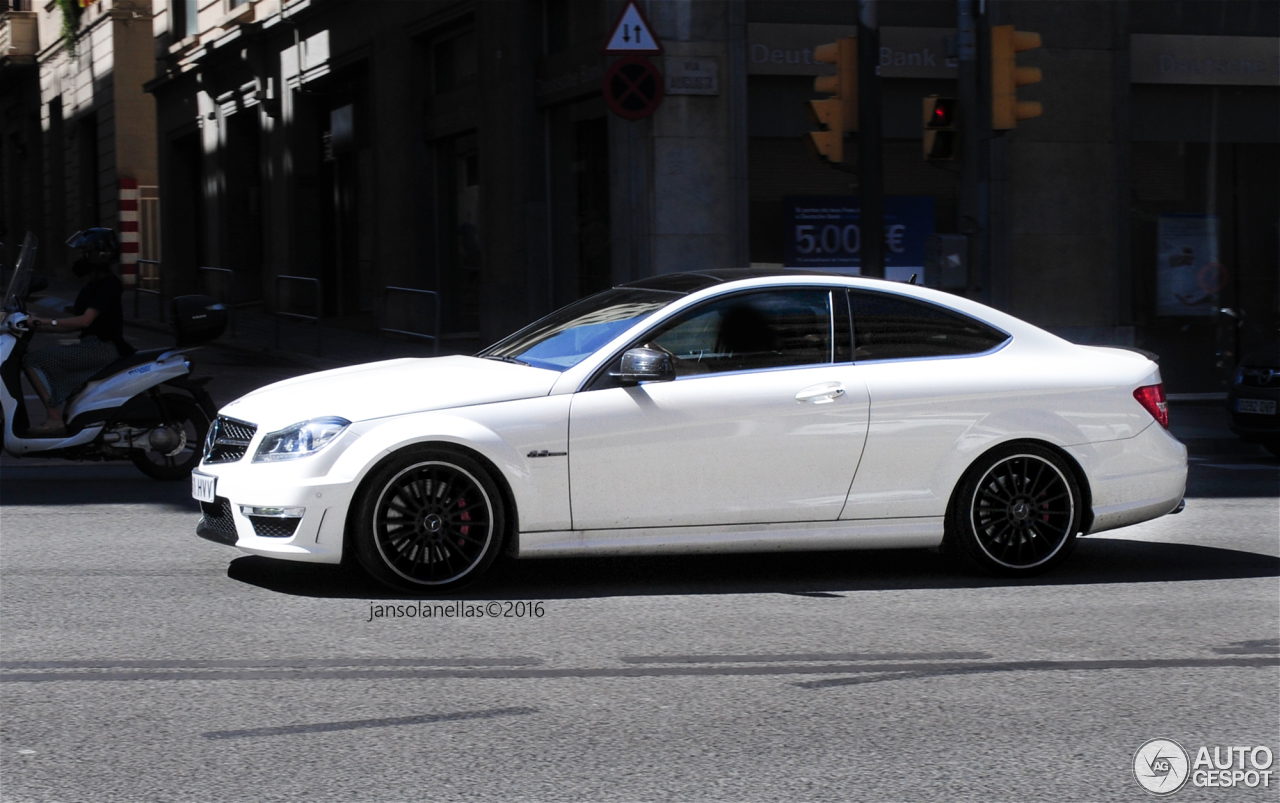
x=1161, y=766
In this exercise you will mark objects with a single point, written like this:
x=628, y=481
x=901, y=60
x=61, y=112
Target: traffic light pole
x=870, y=165
x=972, y=142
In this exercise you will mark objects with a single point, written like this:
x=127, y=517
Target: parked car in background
x=1254, y=398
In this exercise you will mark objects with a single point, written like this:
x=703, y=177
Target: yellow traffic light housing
x=941, y=129
x=839, y=113
x=1007, y=76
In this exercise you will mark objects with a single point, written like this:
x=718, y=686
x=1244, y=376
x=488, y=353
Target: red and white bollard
x=129, y=231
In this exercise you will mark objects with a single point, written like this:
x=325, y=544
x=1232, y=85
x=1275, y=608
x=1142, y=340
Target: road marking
x=888, y=670
x=356, y=724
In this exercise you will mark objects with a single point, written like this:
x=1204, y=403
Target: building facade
x=77, y=131
x=466, y=148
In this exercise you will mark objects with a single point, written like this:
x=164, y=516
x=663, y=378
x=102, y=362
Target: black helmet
x=99, y=245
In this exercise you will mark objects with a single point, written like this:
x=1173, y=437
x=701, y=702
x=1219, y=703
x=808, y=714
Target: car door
x=764, y=422
x=933, y=376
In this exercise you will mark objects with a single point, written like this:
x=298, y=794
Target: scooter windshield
x=21, y=279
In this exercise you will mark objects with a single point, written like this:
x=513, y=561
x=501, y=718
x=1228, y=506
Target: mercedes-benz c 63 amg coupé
x=697, y=412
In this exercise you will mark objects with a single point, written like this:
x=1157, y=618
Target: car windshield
x=21, y=278
x=568, y=336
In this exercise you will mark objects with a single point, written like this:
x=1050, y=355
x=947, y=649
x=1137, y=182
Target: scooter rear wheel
x=176, y=460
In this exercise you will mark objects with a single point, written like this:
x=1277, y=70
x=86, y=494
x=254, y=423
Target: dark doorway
x=346, y=176
x=184, y=213
x=243, y=249
x=591, y=161
x=458, y=169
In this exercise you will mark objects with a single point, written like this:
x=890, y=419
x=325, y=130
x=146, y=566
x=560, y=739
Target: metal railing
x=429, y=295
x=230, y=299
x=282, y=314
x=138, y=289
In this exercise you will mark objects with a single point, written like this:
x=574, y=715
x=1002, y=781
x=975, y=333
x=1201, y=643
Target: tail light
x=1151, y=397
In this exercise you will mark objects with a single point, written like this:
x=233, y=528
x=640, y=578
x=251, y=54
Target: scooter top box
x=197, y=319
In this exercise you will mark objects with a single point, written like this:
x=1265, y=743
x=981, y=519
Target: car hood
x=394, y=387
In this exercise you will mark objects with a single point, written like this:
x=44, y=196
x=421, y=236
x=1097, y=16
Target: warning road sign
x=632, y=87
x=632, y=34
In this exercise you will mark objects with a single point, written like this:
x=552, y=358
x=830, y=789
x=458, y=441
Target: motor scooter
x=145, y=408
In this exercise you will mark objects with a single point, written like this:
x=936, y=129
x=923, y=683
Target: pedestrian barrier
x=303, y=281
x=413, y=315
x=151, y=274
x=228, y=297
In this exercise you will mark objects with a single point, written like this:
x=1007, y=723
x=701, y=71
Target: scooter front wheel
x=174, y=449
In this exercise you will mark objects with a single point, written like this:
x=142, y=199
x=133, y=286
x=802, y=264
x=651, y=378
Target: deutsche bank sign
x=824, y=231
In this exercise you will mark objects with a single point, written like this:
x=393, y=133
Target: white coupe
x=697, y=412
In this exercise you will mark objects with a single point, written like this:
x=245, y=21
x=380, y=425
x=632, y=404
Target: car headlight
x=300, y=440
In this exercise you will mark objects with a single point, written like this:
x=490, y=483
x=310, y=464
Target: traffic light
x=1007, y=76
x=941, y=134
x=839, y=113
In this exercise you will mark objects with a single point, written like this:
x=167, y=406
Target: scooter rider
x=56, y=373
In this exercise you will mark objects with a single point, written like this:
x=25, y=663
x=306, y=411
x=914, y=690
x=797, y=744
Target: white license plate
x=203, y=487
x=1256, y=406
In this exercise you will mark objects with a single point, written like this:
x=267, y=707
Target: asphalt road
x=142, y=663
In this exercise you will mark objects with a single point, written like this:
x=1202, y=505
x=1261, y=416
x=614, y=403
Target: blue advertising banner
x=824, y=231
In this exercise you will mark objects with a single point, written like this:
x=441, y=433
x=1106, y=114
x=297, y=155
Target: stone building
x=466, y=148
x=79, y=132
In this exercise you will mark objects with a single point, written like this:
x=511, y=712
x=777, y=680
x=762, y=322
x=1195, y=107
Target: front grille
x=217, y=524
x=274, y=526
x=228, y=440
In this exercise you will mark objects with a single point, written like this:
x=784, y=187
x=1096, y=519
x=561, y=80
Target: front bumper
x=1254, y=428
x=315, y=537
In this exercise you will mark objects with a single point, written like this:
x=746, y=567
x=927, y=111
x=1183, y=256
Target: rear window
x=890, y=327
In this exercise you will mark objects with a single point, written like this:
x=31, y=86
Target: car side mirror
x=645, y=365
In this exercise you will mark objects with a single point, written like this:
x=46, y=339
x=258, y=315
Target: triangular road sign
x=632, y=34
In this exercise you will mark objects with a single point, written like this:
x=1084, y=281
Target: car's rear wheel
x=429, y=520
x=1017, y=511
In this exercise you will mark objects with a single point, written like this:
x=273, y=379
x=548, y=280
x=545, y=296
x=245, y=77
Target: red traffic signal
x=941, y=137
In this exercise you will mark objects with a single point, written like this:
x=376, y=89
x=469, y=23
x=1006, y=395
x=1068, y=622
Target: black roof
x=697, y=280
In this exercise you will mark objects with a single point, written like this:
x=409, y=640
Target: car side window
x=891, y=327
x=750, y=331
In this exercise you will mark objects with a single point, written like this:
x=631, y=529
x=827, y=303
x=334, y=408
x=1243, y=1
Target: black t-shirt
x=103, y=294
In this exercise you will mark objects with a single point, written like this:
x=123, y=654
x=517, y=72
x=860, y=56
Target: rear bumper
x=1133, y=480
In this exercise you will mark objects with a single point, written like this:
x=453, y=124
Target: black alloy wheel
x=1018, y=510
x=429, y=520
x=181, y=441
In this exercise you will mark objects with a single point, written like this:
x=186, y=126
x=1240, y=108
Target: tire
x=191, y=424
x=428, y=520
x=1017, y=511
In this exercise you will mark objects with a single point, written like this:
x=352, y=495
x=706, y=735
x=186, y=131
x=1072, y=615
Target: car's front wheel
x=429, y=520
x=1017, y=511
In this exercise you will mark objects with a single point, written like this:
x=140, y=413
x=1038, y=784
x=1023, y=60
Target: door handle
x=821, y=394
